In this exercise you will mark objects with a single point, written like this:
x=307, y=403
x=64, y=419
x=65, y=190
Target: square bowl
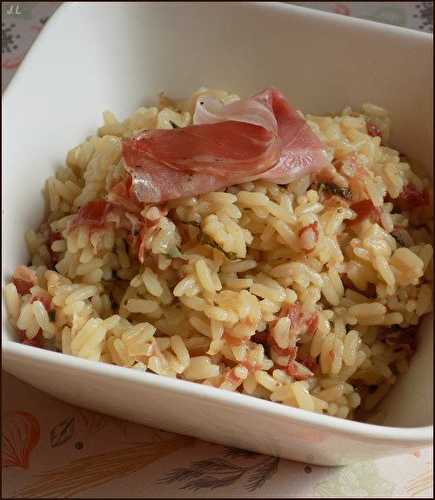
x=96, y=56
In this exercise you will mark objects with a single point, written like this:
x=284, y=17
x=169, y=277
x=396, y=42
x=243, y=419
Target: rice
x=201, y=368
x=264, y=289
x=13, y=301
x=142, y=306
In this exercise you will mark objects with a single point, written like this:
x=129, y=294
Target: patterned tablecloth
x=52, y=449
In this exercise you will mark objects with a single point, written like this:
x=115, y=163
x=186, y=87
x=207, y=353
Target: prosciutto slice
x=94, y=215
x=259, y=137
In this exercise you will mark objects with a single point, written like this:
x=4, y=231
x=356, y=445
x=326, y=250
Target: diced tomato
x=312, y=226
x=312, y=324
x=232, y=377
x=310, y=363
x=309, y=236
x=411, y=198
x=232, y=341
x=35, y=342
x=293, y=312
x=288, y=351
x=23, y=287
x=335, y=201
x=260, y=337
x=251, y=367
x=373, y=130
x=299, y=323
x=364, y=210
x=298, y=319
x=293, y=372
x=21, y=334
x=45, y=299
x=53, y=236
x=24, y=279
x=370, y=291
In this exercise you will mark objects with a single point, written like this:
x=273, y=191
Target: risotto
x=307, y=293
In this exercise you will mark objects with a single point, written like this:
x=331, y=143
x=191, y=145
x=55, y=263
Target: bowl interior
x=128, y=53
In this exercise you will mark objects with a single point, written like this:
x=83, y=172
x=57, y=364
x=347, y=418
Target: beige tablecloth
x=51, y=449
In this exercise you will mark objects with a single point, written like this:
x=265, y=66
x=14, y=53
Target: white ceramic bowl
x=96, y=56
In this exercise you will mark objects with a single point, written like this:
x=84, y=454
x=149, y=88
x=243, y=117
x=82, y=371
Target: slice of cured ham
x=258, y=137
x=93, y=214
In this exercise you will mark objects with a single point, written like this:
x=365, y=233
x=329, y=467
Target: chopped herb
x=205, y=239
x=52, y=315
x=398, y=239
x=193, y=223
x=345, y=193
x=174, y=125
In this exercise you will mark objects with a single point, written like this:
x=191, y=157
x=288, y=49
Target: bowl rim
x=278, y=6
x=12, y=350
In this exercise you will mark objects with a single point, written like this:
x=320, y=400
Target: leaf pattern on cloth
x=210, y=473
x=88, y=472
x=62, y=432
x=238, y=453
x=20, y=435
x=92, y=421
x=258, y=476
x=421, y=483
x=360, y=480
x=220, y=472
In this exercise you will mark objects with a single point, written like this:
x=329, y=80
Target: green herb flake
x=193, y=223
x=331, y=188
x=205, y=239
x=174, y=253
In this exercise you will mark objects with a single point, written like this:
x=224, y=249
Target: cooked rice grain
x=237, y=289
